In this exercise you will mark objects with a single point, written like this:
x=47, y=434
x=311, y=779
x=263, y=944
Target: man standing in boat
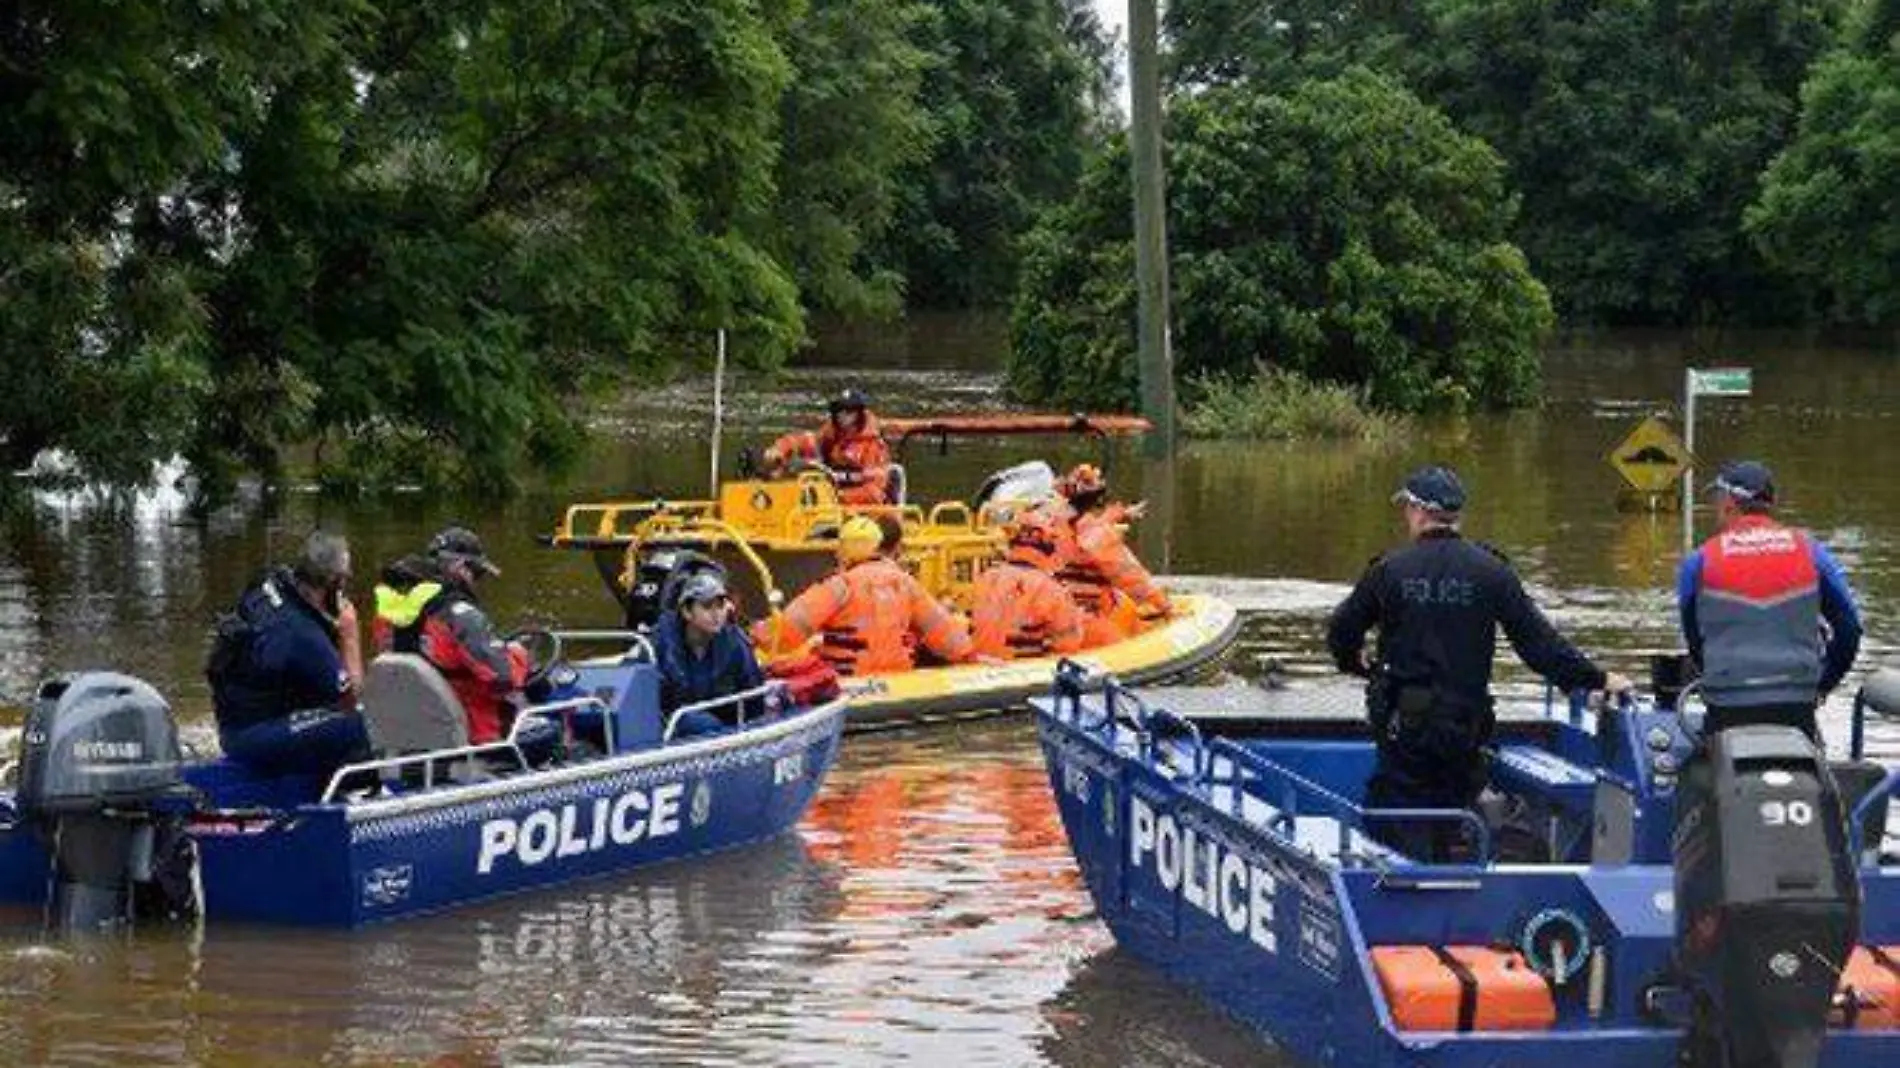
x=1438, y=604
x=702, y=656
x=1756, y=600
x=850, y=443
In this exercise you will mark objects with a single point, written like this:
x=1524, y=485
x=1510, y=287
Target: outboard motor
x=1031, y=481
x=1767, y=898
x=657, y=579
x=100, y=782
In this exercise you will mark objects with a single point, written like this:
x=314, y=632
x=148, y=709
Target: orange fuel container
x=1874, y=977
x=1462, y=988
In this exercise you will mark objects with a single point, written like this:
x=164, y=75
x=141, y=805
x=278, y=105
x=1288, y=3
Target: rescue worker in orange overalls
x=866, y=614
x=1096, y=562
x=850, y=444
x=1020, y=610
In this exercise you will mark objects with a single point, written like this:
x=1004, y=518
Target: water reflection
x=1117, y=1011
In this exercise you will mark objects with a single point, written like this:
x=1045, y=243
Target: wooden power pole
x=1151, y=229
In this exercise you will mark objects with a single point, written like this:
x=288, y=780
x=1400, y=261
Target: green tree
x=852, y=126
x=1634, y=129
x=1008, y=93
x=1344, y=231
x=1825, y=214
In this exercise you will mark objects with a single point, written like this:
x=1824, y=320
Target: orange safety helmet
x=1084, y=480
x=1033, y=540
x=859, y=539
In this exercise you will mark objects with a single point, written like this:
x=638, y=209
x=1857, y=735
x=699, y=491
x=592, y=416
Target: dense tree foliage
x=411, y=233
x=1635, y=130
x=1010, y=103
x=1342, y=230
x=1827, y=213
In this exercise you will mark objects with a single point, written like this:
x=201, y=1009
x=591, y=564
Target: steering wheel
x=546, y=652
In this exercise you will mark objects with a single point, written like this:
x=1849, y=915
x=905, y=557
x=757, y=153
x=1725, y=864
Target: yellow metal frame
x=945, y=547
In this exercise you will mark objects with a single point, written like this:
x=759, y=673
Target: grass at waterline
x=1279, y=405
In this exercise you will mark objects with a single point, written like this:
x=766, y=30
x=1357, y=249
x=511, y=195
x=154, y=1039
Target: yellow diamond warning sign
x=1652, y=458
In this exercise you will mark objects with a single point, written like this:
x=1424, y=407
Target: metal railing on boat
x=428, y=760
x=762, y=693
x=1072, y=681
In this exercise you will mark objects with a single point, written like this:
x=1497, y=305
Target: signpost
x=1706, y=382
x=1651, y=459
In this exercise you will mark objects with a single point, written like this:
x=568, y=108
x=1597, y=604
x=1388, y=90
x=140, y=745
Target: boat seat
x=1531, y=769
x=408, y=707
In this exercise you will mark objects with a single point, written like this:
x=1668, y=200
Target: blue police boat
x=1616, y=903
x=109, y=823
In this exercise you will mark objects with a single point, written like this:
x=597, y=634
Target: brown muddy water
x=927, y=912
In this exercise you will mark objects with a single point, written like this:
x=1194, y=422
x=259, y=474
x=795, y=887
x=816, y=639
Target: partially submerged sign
x=1721, y=381
x=1651, y=458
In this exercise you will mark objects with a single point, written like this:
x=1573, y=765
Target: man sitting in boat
x=287, y=665
x=703, y=655
x=1438, y=603
x=867, y=615
x=438, y=618
x=1096, y=563
x=1021, y=611
x=850, y=444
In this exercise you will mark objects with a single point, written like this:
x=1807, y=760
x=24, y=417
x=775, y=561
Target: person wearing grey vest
x=1766, y=611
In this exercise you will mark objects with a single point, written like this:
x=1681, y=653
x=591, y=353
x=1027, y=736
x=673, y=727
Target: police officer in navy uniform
x=1438, y=604
x=286, y=667
x=1766, y=611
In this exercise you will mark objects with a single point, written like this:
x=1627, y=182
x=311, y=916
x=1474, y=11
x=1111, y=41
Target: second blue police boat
x=1619, y=905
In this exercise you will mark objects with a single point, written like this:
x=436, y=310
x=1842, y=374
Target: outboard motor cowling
x=1767, y=898
x=100, y=781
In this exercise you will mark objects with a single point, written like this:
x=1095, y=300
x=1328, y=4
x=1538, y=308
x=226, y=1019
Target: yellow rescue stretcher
x=774, y=537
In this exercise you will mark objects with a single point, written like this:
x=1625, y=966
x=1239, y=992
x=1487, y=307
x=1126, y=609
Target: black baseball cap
x=1435, y=489
x=1746, y=480
x=850, y=400
x=460, y=543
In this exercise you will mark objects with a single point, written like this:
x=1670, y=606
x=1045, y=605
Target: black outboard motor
x=100, y=782
x=1767, y=898
x=657, y=579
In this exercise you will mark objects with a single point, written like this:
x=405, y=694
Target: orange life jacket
x=865, y=617
x=1021, y=612
x=861, y=459
x=1101, y=563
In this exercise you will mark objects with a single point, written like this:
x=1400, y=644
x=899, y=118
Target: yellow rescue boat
x=775, y=537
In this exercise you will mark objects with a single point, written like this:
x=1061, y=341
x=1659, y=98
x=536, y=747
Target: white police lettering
x=1447, y=591
x=1207, y=872
x=617, y=821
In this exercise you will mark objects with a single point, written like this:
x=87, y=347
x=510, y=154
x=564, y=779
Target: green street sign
x=1721, y=382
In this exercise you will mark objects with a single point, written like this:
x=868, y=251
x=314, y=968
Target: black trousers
x=1398, y=782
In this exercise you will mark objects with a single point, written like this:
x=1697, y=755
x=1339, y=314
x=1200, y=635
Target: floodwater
x=927, y=911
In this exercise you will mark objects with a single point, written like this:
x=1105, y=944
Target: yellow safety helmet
x=859, y=539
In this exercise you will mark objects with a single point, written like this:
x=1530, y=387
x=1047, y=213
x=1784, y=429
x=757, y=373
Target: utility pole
x=1151, y=228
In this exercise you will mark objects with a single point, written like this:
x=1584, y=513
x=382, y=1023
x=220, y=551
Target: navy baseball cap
x=460, y=543
x=1435, y=489
x=1746, y=480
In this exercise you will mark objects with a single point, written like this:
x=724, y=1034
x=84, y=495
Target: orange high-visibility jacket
x=1102, y=563
x=1021, y=612
x=864, y=617
x=862, y=460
